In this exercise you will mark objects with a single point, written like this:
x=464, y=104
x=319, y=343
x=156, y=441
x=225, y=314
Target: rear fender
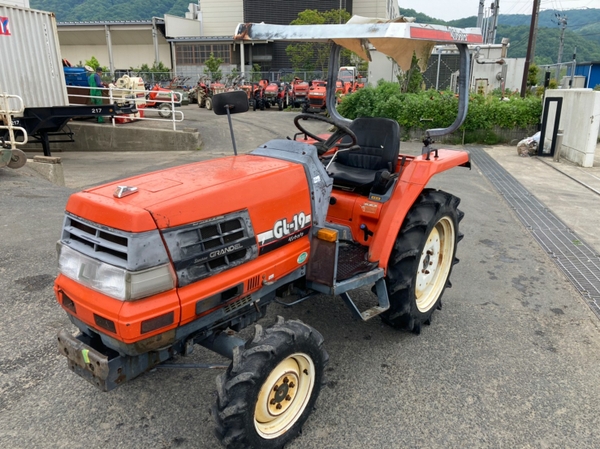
x=414, y=177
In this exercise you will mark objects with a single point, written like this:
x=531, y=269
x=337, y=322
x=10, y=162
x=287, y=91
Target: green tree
x=532, y=75
x=93, y=63
x=315, y=56
x=213, y=67
x=256, y=73
x=411, y=80
x=154, y=73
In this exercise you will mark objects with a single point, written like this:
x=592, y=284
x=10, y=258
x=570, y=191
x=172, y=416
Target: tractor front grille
x=206, y=248
x=113, y=246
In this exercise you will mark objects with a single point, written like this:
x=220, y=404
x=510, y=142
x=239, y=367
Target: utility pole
x=536, y=13
x=491, y=34
x=480, y=14
x=562, y=20
x=532, y=30
x=573, y=67
x=496, y=14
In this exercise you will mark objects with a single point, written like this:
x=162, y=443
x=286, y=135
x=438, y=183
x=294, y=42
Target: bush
x=433, y=109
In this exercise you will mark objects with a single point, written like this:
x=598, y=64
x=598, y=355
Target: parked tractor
x=200, y=92
x=316, y=101
x=152, y=265
x=163, y=99
x=299, y=92
x=214, y=87
x=351, y=79
x=259, y=100
x=277, y=94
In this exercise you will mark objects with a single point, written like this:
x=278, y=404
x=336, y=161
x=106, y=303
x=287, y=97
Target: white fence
x=162, y=108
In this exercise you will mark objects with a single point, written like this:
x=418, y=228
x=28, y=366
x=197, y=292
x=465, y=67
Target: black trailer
x=41, y=123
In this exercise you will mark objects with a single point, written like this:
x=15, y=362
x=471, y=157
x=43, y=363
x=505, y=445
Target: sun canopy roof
x=396, y=39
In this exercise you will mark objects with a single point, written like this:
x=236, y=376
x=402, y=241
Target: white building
x=184, y=43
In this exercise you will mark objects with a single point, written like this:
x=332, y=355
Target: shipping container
x=31, y=59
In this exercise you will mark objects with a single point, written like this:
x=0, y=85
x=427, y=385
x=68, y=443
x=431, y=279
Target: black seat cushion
x=379, y=141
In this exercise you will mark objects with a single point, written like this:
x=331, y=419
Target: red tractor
x=163, y=99
x=259, y=99
x=350, y=80
x=201, y=92
x=299, y=92
x=152, y=265
x=316, y=101
x=277, y=94
x=215, y=87
x=248, y=88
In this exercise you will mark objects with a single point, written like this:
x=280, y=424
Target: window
x=194, y=54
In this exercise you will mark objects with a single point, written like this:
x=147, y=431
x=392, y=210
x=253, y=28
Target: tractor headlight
x=318, y=94
x=113, y=281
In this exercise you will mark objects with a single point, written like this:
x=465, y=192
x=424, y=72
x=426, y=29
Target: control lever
x=367, y=232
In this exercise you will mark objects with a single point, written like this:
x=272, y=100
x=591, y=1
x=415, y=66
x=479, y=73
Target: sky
x=458, y=9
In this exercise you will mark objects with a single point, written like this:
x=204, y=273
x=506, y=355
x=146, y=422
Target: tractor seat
x=379, y=142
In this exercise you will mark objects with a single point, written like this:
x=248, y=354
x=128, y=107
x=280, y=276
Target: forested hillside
x=583, y=29
x=583, y=32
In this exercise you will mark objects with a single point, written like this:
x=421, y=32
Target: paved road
x=511, y=360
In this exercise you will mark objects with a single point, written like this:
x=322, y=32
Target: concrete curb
x=49, y=168
x=127, y=137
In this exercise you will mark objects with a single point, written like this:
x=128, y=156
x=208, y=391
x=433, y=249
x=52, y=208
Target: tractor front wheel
x=271, y=387
x=208, y=104
x=164, y=110
x=17, y=159
x=422, y=259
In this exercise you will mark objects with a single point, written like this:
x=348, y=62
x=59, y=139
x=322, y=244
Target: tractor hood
x=194, y=192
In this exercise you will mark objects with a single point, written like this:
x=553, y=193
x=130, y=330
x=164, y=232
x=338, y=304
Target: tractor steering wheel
x=325, y=145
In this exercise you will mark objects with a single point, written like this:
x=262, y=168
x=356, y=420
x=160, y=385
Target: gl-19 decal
x=284, y=231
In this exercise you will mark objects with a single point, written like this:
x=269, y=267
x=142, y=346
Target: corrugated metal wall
x=30, y=59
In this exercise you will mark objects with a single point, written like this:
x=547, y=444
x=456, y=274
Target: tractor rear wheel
x=422, y=259
x=208, y=104
x=270, y=389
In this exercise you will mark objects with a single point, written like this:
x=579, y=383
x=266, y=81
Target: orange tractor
x=299, y=92
x=152, y=265
x=316, y=99
x=277, y=93
x=351, y=79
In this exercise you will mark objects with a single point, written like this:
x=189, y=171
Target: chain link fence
x=185, y=78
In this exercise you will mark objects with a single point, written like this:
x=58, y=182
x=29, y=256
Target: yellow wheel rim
x=435, y=264
x=284, y=396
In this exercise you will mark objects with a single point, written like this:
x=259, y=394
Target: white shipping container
x=31, y=63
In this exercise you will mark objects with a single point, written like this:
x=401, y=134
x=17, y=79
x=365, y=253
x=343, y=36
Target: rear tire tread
x=428, y=209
